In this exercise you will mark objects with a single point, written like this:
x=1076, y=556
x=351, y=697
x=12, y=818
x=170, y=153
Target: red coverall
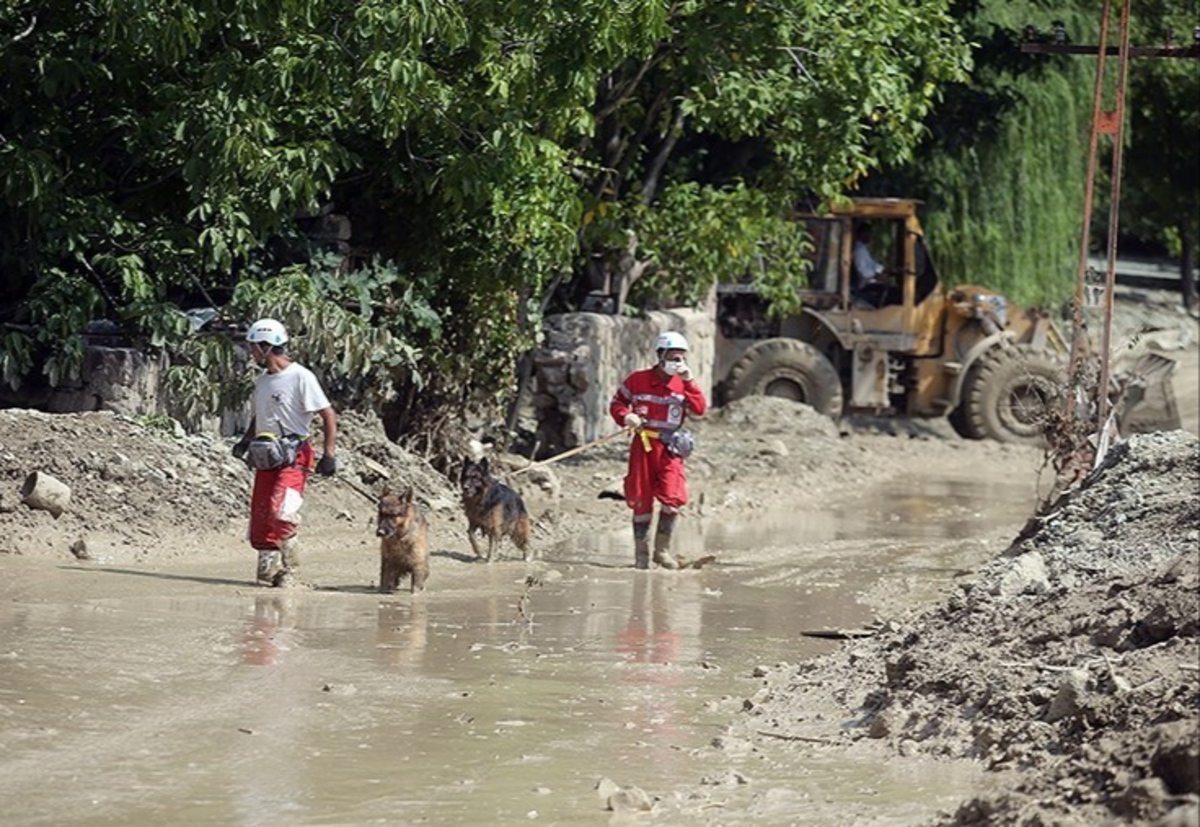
x=654, y=473
x=275, y=503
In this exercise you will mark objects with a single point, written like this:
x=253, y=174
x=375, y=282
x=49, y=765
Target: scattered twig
x=357, y=489
x=531, y=582
x=1145, y=684
x=28, y=31
x=805, y=738
x=840, y=634
x=1045, y=666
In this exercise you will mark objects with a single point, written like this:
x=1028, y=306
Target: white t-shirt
x=284, y=402
x=866, y=265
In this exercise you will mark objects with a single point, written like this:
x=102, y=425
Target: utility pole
x=1110, y=122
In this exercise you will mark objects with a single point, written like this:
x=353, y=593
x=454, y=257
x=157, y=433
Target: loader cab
x=902, y=317
x=891, y=236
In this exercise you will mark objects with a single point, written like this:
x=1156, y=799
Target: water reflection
x=648, y=636
x=227, y=706
x=266, y=634
x=923, y=509
x=402, y=633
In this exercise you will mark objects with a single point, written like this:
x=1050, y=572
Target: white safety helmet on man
x=268, y=332
x=670, y=340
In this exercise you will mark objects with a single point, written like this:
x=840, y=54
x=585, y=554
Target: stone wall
x=585, y=356
x=582, y=360
x=123, y=380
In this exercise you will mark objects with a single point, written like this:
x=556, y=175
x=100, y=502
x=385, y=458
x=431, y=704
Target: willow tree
x=154, y=152
x=1161, y=186
x=1003, y=170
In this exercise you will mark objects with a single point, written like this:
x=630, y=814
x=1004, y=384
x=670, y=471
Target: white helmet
x=268, y=331
x=670, y=341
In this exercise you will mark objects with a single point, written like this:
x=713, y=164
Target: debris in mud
x=128, y=483
x=1070, y=659
x=79, y=550
x=839, y=634
x=618, y=799
x=42, y=492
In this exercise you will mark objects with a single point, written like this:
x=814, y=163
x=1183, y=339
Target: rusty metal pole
x=1079, y=344
x=1110, y=123
x=1115, y=126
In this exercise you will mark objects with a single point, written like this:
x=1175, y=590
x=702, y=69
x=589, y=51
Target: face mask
x=673, y=368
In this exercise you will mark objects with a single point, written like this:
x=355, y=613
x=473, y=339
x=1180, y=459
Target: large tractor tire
x=1008, y=396
x=789, y=369
x=958, y=421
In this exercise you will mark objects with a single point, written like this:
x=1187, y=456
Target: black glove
x=241, y=447
x=327, y=465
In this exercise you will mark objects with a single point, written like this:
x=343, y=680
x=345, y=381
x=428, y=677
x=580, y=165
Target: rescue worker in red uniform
x=654, y=403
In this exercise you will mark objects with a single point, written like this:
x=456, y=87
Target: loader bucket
x=1148, y=401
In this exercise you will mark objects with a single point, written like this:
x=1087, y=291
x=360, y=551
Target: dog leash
x=572, y=452
x=357, y=489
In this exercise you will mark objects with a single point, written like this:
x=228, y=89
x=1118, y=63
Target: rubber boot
x=289, y=551
x=641, y=545
x=662, y=542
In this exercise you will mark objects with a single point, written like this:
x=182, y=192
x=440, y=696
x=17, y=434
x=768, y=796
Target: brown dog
x=493, y=509
x=404, y=548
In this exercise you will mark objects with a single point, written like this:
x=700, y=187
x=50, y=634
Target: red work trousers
x=275, y=503
x=654, y=474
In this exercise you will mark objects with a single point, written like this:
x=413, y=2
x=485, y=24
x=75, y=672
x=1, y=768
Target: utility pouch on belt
x=681, y=443
x=270, y=451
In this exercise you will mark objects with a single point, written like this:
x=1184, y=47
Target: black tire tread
x=989, y=384
x=764, y=360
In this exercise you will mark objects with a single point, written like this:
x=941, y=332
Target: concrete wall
x=581, y=362
x=123, y=380
x=585, y=356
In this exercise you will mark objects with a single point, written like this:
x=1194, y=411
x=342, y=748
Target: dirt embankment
x=1068, y=667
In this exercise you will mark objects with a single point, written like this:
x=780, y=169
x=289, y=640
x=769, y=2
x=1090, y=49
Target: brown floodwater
x=182, y=695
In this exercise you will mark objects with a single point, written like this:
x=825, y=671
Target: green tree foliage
x=161, y=152
x=1004, y=168
x=1003, y=172
x=1160, y=195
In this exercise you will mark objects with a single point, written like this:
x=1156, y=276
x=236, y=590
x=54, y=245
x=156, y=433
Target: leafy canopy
x=157, y=154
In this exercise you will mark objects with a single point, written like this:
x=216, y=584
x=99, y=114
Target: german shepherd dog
x=493, y=509
x=404, y=547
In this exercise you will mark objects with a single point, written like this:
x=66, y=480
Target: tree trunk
x=1187, y=273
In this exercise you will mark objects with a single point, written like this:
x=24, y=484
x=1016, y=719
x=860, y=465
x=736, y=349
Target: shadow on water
x=489, y=699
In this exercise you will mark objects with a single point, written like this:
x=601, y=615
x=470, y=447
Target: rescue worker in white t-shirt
x=286, y=397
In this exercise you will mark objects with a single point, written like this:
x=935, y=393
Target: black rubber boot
x=641, y=545
x=662, y=542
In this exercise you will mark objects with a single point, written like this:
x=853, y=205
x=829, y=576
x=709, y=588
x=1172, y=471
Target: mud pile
x=140, y=484
x=1068, y=667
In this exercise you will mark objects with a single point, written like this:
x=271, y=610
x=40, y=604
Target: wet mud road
x=500, y=696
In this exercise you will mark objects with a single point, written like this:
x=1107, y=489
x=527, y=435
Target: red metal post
x=1116, y=121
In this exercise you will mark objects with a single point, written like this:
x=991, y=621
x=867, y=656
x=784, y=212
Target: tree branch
x=654, y=172
x=625, y=90
x=28, y=30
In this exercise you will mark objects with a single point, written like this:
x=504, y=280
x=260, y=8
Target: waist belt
x=647, y=435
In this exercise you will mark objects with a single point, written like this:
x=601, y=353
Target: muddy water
x=142, y=695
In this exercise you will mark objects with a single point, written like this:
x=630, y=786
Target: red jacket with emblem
x=661, y=402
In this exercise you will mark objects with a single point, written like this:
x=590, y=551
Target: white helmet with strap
x=670, y=340
x=267, y=331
